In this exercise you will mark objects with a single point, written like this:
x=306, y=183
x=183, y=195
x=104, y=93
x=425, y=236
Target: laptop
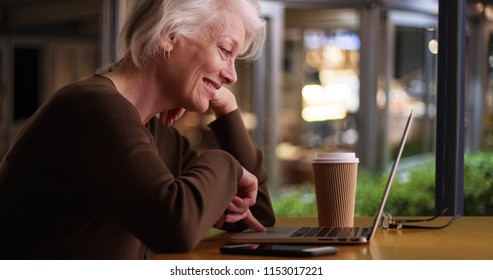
x=325, y=235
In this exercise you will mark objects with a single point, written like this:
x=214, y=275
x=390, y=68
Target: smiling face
x=200, y=65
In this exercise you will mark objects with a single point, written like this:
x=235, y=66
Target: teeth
x=211, y=86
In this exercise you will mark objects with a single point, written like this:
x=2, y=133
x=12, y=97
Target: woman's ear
x=167, y=42
x=167, y=45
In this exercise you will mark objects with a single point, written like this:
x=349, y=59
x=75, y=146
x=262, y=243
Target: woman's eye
x=226, y=52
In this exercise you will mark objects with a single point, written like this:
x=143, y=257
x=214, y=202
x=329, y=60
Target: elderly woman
x=95, y=174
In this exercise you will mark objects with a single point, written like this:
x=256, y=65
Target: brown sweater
x=84, y=179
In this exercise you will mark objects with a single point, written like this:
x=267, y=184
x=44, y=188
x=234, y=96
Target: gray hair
x=150, y=20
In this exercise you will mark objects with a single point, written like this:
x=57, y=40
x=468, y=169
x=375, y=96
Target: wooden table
x=468, y=238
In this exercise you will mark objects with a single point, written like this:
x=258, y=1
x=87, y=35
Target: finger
x=248, y=186
x=166, y=118
x=234, y=208
x=224, y=102
x=240, y=203
x=253, y=223
x=246, y=200
x=220, y=222
x=179, y=113
x=234, y=217
x=163, y=116
x=248, y=218
x=237, y=209
x=248, y=179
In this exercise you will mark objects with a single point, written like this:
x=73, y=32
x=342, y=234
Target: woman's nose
x=228, y=74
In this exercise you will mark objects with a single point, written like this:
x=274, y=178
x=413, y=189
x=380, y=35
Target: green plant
x=412, y=193
x=299, y=202
x=478, y=184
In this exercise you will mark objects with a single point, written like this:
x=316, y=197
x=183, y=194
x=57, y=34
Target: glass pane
x=414, y=87
x=487, y=141
x=478, y=161
x=330, y=92
x=319, y=99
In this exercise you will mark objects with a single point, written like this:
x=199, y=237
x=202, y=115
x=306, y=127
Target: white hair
x=150, y=20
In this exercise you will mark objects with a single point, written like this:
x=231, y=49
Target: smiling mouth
x=212, y=86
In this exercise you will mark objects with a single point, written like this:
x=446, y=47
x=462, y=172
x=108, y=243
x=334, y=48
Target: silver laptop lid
x=392, y=174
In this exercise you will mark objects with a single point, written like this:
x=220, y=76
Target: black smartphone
x=293, y=250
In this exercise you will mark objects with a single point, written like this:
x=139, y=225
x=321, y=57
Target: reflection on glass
x=413, y=87
x=330, y=92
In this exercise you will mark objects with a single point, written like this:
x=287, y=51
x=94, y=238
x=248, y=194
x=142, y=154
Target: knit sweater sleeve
x=232, y=136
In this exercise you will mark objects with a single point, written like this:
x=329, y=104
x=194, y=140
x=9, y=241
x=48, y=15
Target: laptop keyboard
x=326, y=232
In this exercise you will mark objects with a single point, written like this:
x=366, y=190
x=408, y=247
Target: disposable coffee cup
x=335, y=176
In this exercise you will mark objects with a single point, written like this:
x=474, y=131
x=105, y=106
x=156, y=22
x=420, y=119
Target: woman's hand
x=239, y=208
x=223, y=103
x=170, y=116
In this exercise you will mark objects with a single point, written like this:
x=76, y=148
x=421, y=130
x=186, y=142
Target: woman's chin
x=202, y=108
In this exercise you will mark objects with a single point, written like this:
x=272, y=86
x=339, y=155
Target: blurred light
x=326, y=76
x=312, y=94
x=347, y=41
x=330, y=97
x=433, y=46
x=323, y=113
x=350, y=136
x=480, y=7
x=343, y=40
x=250, y=120
x=288, y=151
x=381, y=99
x=314, y=40
x=488, y=12
x=334, y=54
x=337, y=91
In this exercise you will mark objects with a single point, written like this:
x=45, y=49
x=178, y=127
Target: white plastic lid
x=336, y=158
